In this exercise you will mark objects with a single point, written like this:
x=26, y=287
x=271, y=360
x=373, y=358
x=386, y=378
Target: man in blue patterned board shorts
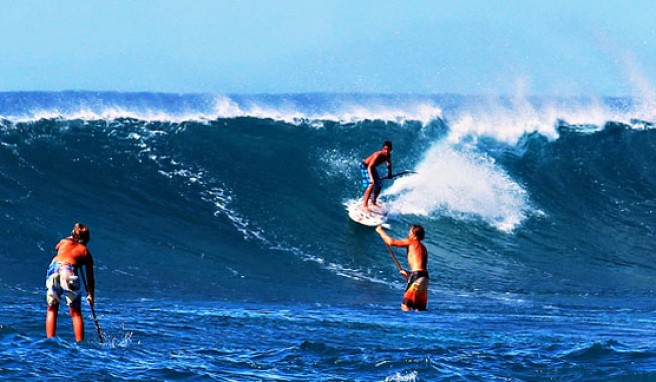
x=369, y=174
x=62, y=280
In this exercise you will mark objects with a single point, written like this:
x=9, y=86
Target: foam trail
x=462, y=185
x=647, y=94
x=641, y=88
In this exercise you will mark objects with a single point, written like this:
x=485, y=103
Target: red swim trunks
x=416, y=293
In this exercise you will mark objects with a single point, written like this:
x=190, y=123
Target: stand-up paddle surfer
x=416, y=292
x=370, y=179
x=62, y=280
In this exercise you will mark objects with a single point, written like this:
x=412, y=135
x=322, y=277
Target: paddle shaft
x=398, y=265
x=93, y=311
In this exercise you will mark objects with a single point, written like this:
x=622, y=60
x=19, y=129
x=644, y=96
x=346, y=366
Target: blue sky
x=472, y=47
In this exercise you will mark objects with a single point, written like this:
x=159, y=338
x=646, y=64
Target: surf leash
x=93, y=311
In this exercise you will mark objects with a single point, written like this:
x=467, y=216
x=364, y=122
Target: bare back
x=72, y=252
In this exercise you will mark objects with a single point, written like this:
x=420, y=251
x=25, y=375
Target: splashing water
x=462, y=185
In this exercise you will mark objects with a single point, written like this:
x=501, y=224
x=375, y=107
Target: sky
x=528, y=47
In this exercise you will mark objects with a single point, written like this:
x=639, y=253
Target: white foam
x=507, y=120
x=342, y=112
x=107, y=114
x=292, y=112
x=462, y=185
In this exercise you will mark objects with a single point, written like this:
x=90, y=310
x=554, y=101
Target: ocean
x=224, y=252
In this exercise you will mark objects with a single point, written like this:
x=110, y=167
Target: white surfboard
x=358, y=214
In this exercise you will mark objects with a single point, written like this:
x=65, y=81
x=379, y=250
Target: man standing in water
x=370, y=178
x=416, y=292
x=62, y=279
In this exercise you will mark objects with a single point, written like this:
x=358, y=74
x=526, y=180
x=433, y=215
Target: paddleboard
x=358, y=214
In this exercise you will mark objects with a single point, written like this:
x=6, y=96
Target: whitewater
x=223, y=250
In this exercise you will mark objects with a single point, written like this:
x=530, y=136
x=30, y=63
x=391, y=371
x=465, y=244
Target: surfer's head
x=388, y=144
x=81, y=233
x=418, y=231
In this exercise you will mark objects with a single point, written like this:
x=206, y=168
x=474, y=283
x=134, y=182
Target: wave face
x=180, y=191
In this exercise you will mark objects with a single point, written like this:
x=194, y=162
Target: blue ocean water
x=223, y=250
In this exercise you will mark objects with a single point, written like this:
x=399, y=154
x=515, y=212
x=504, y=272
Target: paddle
x=93, y=311
x=398, y=265
x=389, y=249
x=404, y=172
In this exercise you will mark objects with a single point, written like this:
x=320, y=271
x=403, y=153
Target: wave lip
x=505, y=119
x=292, y=109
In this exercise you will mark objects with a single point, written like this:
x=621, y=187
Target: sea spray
x=462, y=185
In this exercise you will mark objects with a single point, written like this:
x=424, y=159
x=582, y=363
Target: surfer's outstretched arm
x=416, y=294
x=386, y=238
x=390, y=240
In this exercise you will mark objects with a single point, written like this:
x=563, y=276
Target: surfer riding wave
x=369, y=174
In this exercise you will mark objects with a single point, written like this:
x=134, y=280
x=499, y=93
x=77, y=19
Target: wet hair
x=388, y=144
x=418, y=231
x=81, y=233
